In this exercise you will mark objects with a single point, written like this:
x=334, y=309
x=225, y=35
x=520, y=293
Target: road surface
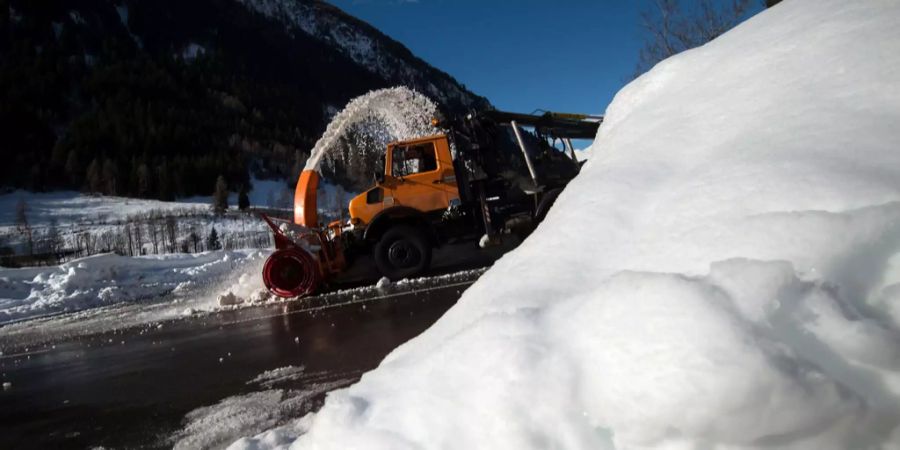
x=133, y=388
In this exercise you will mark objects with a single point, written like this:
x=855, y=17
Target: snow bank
x=216, y=425
x=725, y=272
x=586, y=153
x=108, y=279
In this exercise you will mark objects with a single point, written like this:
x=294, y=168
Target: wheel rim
x=403, y=254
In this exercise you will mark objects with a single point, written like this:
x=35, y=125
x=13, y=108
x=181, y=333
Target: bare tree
x=172, y=233
x=194, y=238
x=220, y=195
x=110, y=177
x=22, y=225
x=94, y=177
x=673, y=26
x=154, y=232
x=54, y=239
x=138, y=238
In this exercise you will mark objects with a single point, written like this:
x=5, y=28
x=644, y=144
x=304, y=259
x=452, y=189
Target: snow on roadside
x=724, y=272
x=217, y=425
x=108, y=279
x=270, y=378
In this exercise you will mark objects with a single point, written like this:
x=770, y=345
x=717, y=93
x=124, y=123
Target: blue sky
x=566, y=55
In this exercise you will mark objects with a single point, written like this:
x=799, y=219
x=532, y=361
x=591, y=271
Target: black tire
x=402, y=252
x=545, y=204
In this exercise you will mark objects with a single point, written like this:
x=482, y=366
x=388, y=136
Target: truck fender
x=397, y=215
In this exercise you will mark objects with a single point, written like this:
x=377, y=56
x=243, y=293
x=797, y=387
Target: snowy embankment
x=75, y=215
x=725, y=272
x=109, y=279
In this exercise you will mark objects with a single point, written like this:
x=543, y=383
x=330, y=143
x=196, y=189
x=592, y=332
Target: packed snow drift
x=109, y=279
x=724, y=273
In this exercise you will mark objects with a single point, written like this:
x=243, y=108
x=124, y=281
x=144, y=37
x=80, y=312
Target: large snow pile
x=108, y=279
x=725, y=272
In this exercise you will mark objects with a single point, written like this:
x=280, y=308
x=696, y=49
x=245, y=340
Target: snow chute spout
x=305, y=212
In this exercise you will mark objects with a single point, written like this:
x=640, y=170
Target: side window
x=413, y=159
x=375, y=195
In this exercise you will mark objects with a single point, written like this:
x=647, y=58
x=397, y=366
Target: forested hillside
x=156, y=99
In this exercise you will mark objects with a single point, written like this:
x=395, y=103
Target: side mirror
x=379, y=177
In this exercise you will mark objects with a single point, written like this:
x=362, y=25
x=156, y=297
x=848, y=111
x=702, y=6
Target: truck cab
x=417, y=174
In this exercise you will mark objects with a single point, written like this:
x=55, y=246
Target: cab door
x=422, y=175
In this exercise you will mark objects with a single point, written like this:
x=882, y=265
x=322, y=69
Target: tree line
x=154, y=232
x=86, y=105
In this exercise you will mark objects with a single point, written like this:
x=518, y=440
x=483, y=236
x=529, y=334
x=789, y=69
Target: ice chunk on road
x=229, y=299
x=722, y=274
x=383, y=283
x=270, y=378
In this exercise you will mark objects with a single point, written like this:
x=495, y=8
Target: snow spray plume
x=402, y=113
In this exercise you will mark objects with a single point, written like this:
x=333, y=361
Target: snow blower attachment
x=304, y=254
x=487, y=175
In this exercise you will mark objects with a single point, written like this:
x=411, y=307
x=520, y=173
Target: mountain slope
x=156, y=99
x=368, y=47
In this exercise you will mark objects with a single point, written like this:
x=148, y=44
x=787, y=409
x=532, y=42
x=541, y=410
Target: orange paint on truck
x=419, y=174
x=305, y=208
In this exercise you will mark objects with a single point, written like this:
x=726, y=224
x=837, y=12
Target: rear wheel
x=545, y=204
x=403, y=251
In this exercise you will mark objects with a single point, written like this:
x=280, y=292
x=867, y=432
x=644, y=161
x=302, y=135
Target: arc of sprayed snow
x=405, y=114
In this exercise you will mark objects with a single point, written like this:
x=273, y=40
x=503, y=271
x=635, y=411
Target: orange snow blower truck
x=487, y=174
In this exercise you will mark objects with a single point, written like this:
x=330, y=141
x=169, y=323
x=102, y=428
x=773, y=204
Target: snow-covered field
x=106, y=221
x=725, y=272
x=109, y=279
x=75, y=207
x=104, y=218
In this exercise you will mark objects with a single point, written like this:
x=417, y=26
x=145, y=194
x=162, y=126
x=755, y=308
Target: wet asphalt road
x=131, y=389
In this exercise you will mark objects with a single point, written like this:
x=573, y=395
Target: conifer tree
x=94, y=177
x=212, y=241
x=220, y=195
x=243, y=199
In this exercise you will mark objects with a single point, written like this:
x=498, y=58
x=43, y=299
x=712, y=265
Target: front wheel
x=545, y=205
x=403, y=251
